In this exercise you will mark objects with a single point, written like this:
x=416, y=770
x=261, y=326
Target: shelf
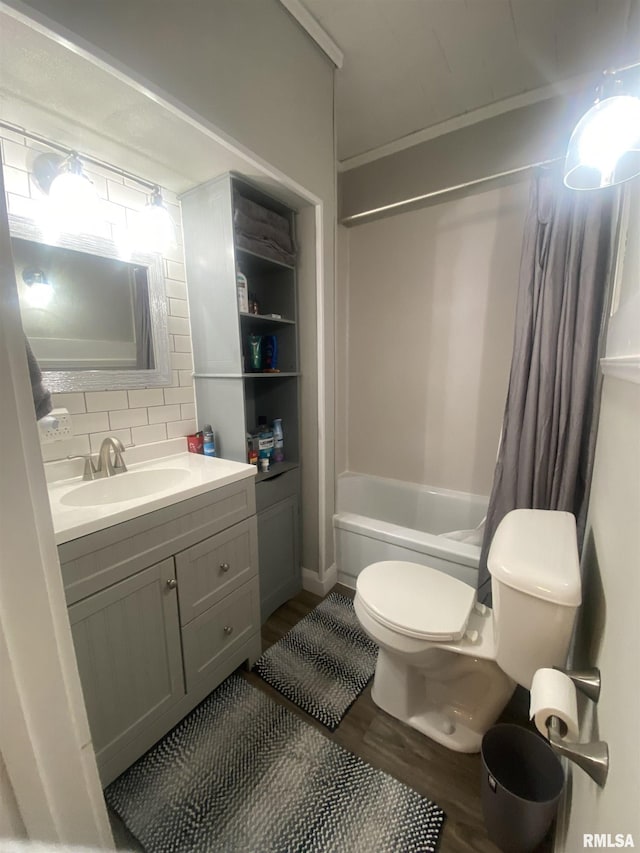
x=263, y=318
x=257, y=375
x=276, y=469
x=259, y=260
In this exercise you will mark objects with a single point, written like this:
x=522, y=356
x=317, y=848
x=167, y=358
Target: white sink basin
x=124, y=487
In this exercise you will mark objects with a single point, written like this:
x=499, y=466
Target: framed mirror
x=95, y=322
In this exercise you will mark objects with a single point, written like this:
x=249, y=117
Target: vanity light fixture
x=155, y=228
x=71, y=201
x=40, y=289
x=604, y=149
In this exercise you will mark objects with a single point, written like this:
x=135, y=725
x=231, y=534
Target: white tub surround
x=160, y=475
x=382, y=519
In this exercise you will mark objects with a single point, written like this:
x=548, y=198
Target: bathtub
x=382, y=519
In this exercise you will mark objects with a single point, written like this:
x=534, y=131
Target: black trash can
x=522, y=780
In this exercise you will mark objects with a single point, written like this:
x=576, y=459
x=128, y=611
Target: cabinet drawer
x=218, y=631
x=212, y=569
x=100, y=559
x=269, y=492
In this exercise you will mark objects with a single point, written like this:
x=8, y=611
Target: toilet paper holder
x=592, y=757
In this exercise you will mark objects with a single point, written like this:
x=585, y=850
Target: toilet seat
x=416, y=601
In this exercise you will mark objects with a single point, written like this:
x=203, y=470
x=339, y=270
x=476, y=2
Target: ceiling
x=411, y=64
x=53, y=91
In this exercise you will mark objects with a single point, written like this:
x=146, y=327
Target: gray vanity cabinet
x=163, y=607
x=127, y=642
x=278, y=538
x=231, y=393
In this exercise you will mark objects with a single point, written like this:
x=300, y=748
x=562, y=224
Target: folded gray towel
x=41, y=395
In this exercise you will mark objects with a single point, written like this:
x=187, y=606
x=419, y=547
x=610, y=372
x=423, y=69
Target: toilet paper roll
x=554, y=694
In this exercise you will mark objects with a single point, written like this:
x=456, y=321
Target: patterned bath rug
x=242, y=774
x=323, y=663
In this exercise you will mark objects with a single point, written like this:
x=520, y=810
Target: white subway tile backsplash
x=96, y=438
x=163, y=414
x=13, y=153
x=178, y=308
x=178, y=395
x=20, y=206
x=105, y=401
x=175, y=270
x=16, y=181
x=181, y=361
x=148, y=434
x=113, y=213
x=178, y=428
x=71, y=401
x=75, y=446
x=188, y=411
x=182, y=343
x=91, y=422
x=146, y=397
x=126, y=196
x=178, y=326
x=139, y=415
x=176, y=289
x=128, y=418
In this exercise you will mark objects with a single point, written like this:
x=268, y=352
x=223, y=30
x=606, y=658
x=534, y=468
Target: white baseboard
x=312, y=583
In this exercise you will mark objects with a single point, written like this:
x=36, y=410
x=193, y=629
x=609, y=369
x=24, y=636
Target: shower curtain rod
x=355, y=217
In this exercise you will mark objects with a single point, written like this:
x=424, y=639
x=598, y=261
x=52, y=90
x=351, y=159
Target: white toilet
x=447, y=666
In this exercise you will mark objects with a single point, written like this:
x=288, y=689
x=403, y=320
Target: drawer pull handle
x=228, y=629
x=225, y=567
x=172, y=583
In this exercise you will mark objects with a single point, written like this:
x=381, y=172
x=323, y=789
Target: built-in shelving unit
x=229, y=395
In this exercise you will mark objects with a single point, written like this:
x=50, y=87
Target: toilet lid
x=416, y=600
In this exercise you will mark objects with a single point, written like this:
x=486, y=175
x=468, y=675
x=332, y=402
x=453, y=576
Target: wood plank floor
x=449, y=778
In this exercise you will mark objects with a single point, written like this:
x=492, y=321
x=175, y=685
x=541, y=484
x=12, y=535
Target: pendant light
x=604, y=149
x=155, y=231
x=40, y=290
x=71, y=192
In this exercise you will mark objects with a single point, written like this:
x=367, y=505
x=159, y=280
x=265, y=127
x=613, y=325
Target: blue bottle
x=209, y=445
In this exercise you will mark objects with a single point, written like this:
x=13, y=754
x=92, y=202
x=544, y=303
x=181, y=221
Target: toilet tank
x=535, y=583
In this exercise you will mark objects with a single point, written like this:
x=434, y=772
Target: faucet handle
x=90, y=469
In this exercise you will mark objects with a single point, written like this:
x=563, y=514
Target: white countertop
x=198, y=474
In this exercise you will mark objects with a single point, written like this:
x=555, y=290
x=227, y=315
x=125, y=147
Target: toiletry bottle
x=270, y=353
x=278, y=441
x=255, y=352
x=265, y=441
x=252, y=449
x=243, y=293
x=209, y=445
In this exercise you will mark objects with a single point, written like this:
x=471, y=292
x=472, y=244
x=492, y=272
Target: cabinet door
x=212, y=569
x=278, y=555
x=127, y=642
x=214, y=636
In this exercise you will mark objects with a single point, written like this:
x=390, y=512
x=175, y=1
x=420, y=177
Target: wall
x=135, y=417
x=431, y=301
x=608, y=630
x=512, y=140
x=45, y=744
x=245, y=68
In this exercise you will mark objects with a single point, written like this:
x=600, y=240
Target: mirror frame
x=109, y=380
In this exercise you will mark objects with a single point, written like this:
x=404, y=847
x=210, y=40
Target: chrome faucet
x=105, y=467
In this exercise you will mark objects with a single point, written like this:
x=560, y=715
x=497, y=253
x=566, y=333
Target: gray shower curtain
x=548, y=430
